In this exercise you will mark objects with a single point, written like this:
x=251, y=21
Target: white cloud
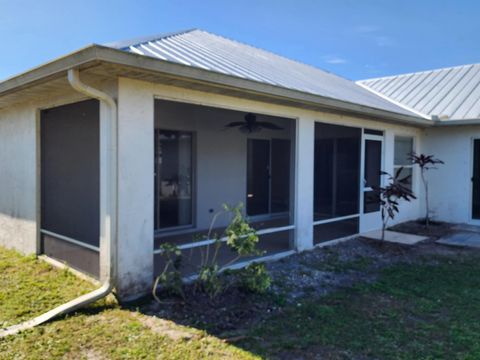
x=334, y=59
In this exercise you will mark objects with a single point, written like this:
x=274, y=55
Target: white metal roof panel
x=198, y=48
x=449, y=93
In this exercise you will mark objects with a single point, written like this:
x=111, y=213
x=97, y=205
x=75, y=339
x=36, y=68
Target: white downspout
x=108, y=210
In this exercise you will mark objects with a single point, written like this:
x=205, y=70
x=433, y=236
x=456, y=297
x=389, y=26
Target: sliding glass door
x=268, y=176
x=258, y=177
x=173, y=179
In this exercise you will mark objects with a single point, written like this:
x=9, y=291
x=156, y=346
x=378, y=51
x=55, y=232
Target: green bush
x=255, y=278
x=241, y=238
x=209, y=280
x=170, y=279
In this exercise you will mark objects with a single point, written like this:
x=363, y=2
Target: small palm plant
x=425, y=163
x=390, y=195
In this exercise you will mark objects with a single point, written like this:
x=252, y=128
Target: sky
x=356, y=39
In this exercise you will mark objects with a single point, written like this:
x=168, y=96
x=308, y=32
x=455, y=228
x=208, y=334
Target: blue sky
x=356, y=39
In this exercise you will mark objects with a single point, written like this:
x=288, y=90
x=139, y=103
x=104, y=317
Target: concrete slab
x=467, y=227
x=464, y=239
x=395, y=237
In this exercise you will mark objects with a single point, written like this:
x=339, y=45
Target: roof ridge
x=122, y=44
x=415, y=73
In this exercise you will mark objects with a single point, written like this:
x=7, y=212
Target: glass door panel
x=373, y=167
x=173, y=178
x=280, y=176
x=258, y=176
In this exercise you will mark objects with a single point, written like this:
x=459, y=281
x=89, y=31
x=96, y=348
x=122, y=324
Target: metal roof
x=200, y=49
x=447, y=94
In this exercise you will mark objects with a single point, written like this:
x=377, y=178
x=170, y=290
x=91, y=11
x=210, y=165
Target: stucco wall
x=135, y=190
x=450, y=184
x=18, y=196
x=150, y=91
x=19, y=151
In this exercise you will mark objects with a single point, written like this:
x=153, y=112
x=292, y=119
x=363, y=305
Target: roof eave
x=94, y=54
x=462, y=122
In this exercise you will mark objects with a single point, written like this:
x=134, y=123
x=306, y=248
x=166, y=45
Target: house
x=110, y=151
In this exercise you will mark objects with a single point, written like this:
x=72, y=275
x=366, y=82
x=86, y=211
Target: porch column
x=135, y=189
x=305, y=146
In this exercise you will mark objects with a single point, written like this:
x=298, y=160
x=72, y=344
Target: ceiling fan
x=251, y=125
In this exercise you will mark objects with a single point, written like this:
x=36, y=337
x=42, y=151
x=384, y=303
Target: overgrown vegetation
x=390, y=195
x=425, y=163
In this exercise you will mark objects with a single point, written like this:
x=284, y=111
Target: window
x=173, y=178
x=403, y=149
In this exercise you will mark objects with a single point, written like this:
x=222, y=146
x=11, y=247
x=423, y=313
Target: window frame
x=408, y=166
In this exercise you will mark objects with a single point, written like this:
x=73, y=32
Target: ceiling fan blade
x=235, y=124
x=269, y=125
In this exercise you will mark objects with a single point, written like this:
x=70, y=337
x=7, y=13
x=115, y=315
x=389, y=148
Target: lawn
x=29, y=287
x=413, y=311
x=424, y=309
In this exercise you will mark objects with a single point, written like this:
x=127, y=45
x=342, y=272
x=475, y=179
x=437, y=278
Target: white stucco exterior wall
x=135, y=189
x=409, y=211
x=450, y=184
x=18, y=188
x=304, y=183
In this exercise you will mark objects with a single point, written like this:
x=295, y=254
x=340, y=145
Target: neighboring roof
x=200, y=49
x=445, y=94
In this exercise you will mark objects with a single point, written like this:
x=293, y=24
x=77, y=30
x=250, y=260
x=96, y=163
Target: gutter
x=108, y=211
x=463, y=122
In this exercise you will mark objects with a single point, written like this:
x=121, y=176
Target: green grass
x=29, y=287
x=417, y=311
x=427, y=310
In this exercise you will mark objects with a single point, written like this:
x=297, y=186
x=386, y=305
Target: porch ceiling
x=103, y=63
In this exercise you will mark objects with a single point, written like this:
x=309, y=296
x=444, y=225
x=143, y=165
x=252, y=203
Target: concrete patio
x=395, y=237
x=465, y=236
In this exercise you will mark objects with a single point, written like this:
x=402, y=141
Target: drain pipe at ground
x=108, y=210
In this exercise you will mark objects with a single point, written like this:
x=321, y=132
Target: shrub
x=241, y=238
x=209, y=280
x=170, y=279
x=255, y=278
x=390, y=195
